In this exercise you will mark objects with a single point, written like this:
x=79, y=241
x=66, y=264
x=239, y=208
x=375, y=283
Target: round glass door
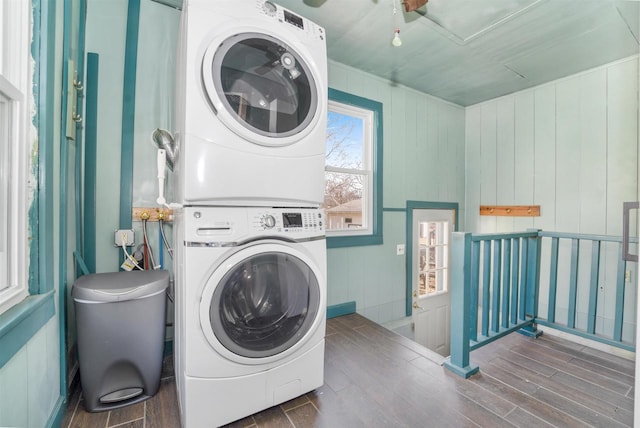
x=263, y=84
x=264, y=304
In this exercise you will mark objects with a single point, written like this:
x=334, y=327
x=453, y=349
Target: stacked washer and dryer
x=250, y=253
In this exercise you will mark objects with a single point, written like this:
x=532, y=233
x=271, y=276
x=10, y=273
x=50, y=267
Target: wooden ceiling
x=469, y=51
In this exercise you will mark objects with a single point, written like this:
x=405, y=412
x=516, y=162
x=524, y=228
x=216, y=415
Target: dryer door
x=261, y=302
x=261, y=88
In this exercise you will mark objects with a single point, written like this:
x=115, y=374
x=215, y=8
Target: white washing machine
x=250, y=309
x=251, y=105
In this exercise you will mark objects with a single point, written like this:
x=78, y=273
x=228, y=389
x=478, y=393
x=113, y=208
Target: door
x=431, y=238
x=261, y=88
x=261, y=302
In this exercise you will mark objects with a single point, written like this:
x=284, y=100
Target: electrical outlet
x=400, y=250
x=125, y=235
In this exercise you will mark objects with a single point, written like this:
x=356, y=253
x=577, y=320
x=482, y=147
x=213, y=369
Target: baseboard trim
x=57, y=414
x=340, y=309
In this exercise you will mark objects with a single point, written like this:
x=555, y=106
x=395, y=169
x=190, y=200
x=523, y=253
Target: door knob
x=417, y=306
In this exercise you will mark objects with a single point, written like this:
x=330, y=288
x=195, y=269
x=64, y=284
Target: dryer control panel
x=287, y=17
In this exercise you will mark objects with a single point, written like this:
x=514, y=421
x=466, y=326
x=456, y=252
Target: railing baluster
x=475, y=285
x=486, y=287
x=522, y=308
x=573, y=283
x=506, y=287
x=553, y=280
x=593, y=288
x=619, y=316
x=495, y=304
x=515, y=259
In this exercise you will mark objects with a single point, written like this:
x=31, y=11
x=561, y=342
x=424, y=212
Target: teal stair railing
x=497, y=288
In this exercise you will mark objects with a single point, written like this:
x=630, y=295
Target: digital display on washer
x=292, y=219
x=293, y=19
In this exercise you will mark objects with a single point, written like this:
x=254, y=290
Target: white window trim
x=367, y=116
x=15, y=86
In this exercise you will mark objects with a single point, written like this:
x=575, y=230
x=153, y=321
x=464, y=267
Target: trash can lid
x=119, y=286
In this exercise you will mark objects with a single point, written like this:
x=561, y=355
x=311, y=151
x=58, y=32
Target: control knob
x=268, y=221
x=270, y=8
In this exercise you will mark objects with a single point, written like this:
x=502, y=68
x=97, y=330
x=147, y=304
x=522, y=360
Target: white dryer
x=251, y=105
x=250, y=309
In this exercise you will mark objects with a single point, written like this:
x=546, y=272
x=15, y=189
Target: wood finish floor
x=376, y=378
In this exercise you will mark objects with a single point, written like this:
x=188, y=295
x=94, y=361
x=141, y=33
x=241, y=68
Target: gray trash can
x=120, y=319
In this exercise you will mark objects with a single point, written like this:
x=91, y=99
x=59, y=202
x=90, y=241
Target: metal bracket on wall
x=152, y=214
x=511, y=210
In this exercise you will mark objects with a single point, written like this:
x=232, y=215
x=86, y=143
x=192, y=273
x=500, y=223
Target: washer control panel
x=285, y=16
x=286, y=220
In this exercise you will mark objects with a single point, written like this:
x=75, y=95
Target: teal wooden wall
x=30, y=381
x=424, y=160
x=570, y=146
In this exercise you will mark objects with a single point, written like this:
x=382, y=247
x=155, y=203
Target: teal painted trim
x=394, y=210
x=533, y=274
x=341, y=309
x=486, y=287
x=530, y=331
x=38, y=166
x=78, y=169
x=168, y=347
x=622, y=267
x=497, y=284
x=57, y=414
x=522, y=294
x=459, y=362
x=515, y=261
x=63, y=243
x=502, y=332
x=499, y=236
x=506, y=286
x=21, y=322
x=475, y=289
x=573, y=283
x=553, y=279
x=128, y=114
x=581, y=236
x=464, y=372
x=593, y=287
x=375, y=238
x=82, y=267
x=417, y=205
x=44, y=31
x=606, y=341
x=91, y=160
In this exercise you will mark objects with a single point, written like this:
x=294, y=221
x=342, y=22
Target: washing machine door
x=261, y=88
x=261, y=303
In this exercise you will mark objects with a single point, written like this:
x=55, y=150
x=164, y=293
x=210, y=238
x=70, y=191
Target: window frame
x=32, y=56
x=373, y=203
x=14, y=87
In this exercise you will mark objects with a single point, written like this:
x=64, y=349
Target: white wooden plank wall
x=423, y=160
x=570, y=146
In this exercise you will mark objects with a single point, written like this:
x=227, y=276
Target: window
x=434, y=258
x=353, y=171
x=14, y=146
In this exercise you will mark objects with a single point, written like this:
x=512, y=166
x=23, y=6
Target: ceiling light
x=396, y=41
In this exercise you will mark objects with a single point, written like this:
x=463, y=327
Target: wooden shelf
x=152, y=214
x=511, y=210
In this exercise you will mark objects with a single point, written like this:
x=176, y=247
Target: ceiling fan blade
x=411, y=5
